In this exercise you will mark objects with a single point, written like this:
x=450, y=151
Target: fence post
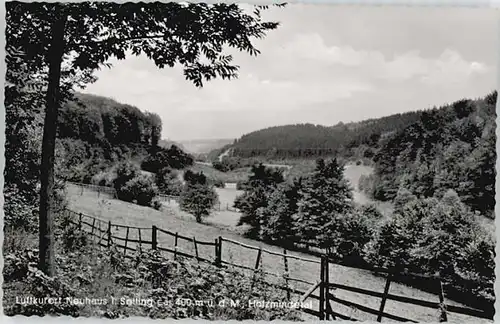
x=109, y=233
x=175, y=247
x=443, y=317
x=257, y=261
x=154, y=241
x=219, y=252
x=286, y=275
x=140, y=241
x=384, y=298
x=126, y=240
x=327, y=289
x=80, y=221
x=322, y=289
x=100, y=234
x=216, y=251
x=92, y=232
x=195, y=248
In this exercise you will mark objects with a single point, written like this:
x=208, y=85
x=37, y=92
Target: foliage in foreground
x=148, y=276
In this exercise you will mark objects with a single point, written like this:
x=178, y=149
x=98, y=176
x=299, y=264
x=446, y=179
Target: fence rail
x=102, y=230
x=161, y=197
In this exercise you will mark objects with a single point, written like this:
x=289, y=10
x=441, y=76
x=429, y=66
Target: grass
x=128, y=214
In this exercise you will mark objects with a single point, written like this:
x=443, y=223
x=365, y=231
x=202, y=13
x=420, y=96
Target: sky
x=325, y=64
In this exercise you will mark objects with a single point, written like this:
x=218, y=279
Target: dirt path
x=225, y=153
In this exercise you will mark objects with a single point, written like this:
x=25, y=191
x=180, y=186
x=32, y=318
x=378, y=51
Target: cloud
x=312, y=47
x=448, y=67
x=320, y=67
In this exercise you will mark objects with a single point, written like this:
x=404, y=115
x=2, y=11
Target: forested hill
x=453, y=147
x=308, y=140
x=103, y=121
x=166, y=143
x=94, y=132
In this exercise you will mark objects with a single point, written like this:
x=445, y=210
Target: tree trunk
x=46, y=222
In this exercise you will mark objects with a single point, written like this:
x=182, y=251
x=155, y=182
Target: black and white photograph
x=237, y=161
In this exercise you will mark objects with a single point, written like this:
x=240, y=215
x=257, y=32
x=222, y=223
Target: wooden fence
x=327, y=297
x=168, y=198
x=131, y=238
x=99, y=190
x=102, y=191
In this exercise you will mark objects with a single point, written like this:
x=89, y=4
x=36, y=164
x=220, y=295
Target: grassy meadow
x=119, y=212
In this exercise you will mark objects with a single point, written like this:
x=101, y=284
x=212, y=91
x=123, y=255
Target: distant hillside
x=166, y=143
x=96, y=132
x=450, y=148
x=204, y=146
x=308, y=140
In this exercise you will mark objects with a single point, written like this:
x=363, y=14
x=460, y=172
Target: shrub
x=156, y=204
x=73, y=239
x=42, y=286
x=141, y=189
x=187, y=279
x=125, y=189
x=403, y=197
x=21, y=207
x=18, y=263
x=104, y=178
x=242, y=185
x=20, y=211
x=217, y=165
x=172, y=157
x=167, y=182
x=353, y=232
x=394, y=243
x=125, y=172
x=232, y=163
x=217, y=183
x=476, y=268
x=18, y=239
x=150, y=275
x=195, y=177
x=431, y=236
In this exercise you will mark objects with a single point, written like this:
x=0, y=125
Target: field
x=353, y=173
x=221, y=217
x=119, y=212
